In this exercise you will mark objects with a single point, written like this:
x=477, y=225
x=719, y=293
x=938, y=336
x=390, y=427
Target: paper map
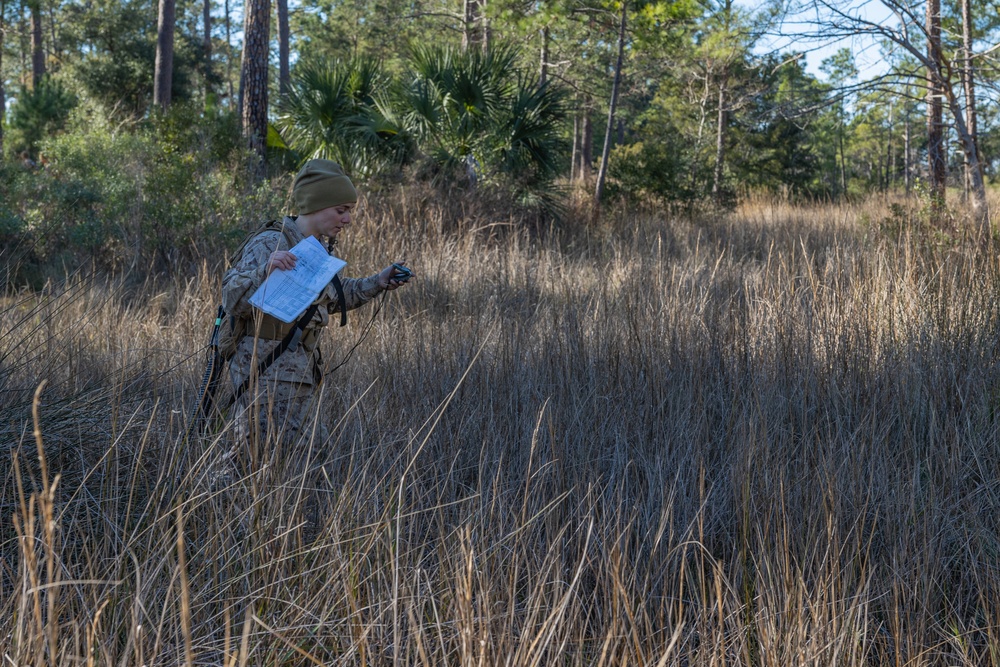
x=286, y=294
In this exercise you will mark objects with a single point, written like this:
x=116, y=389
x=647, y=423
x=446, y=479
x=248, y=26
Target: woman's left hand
x=386, y=277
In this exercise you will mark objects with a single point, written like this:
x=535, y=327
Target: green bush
x=157, y=195
x=341, y=110
x=38, y=113
x=478, y=116
x=651, y=169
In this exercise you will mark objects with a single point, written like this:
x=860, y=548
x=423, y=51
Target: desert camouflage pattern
x=283, y=399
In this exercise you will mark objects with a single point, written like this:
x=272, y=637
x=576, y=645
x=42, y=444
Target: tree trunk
x=587, y=145
x=23, y=40
x=207, y=47
x=574, y=160
x=3, y=90
x=891, y=157
x=164, y=73
x=37, y=48
x=485, y=26
x=603, y=171
x=229, y=56
x=720, y=139
x=907, y=183
x=843, y=158
x=936, y=167
x=253, y=74
x=980, y=207
x=54, y=41
x=284, y=78
x=543, y=69
x=472, y=32
x=968, y=76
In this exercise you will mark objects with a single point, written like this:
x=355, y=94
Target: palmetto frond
x=338, y=110
x=473, y=112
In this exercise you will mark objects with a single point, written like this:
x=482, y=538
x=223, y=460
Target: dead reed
x=761, y=438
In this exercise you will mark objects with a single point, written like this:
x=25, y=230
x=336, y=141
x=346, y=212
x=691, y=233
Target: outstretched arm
x=359, y=291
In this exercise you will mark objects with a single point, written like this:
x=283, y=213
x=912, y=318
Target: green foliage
x=117, y=46
x=340, y=110
x=154, y=195
x=660, y=161
x=476, y=118
x=781, y=137
x=38, y=113
x=481, y=120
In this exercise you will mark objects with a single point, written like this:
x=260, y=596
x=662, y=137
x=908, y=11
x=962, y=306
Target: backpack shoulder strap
x=269, y=226
x=289, y=342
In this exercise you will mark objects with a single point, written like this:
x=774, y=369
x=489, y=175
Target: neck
x=305, y=224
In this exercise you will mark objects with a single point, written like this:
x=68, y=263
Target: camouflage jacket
x=243, y=279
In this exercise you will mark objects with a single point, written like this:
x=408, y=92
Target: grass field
x=763, y=437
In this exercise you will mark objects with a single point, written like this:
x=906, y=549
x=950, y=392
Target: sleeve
x=357, y=292
x=241, y=281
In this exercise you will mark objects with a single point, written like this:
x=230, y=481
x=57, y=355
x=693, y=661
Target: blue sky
x=794, y=36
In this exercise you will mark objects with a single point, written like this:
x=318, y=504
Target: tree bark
x=3, y=90
x=163, y=75
x=968, y=76
x=485, y=26
x=543, y=69
x=587, y=145
x=54, y=41
x=37, y=47
x=575, y=158
x=890, y=158
x=472, y=29
x=284, y=78
x=207, y=46
x=906, y=152
x=23, y=43
x=253, y=74
x=229, y=56
x=936, y=167
x=602, y=172
x=840, y=143
x=980, y=207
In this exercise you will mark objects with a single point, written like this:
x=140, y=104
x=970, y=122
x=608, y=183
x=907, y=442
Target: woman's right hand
x=280, y=259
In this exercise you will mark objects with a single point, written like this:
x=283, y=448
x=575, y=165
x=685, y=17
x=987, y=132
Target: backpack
x=232, y=329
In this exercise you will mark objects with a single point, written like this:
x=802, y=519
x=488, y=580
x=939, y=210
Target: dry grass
x=763, y=438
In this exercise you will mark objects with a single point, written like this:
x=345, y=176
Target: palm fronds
x=340, y=110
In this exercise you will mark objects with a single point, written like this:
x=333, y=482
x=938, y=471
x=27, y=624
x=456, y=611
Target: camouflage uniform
x=286, y=396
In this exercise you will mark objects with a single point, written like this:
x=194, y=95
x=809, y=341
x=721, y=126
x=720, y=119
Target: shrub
x=480, y=120
x=38, y=113
x=340, y=110
x=156, y=195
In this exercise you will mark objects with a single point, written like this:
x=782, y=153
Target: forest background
x=700, y=365
x=657, y=102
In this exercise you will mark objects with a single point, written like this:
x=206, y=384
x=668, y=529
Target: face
x=329, y=221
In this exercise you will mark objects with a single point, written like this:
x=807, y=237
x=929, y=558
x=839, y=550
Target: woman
x=282, y=400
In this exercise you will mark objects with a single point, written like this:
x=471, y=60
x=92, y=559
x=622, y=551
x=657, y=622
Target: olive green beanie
x=321, y=184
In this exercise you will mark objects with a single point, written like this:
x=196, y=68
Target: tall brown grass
x=766, y=437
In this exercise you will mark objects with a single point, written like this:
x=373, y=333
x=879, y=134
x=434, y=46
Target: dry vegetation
x=762, y=438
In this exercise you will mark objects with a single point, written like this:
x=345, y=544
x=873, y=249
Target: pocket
x=292, y=366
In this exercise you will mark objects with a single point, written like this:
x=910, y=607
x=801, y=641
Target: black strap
x=213, y=370
x=291, y=340
x=341, y=301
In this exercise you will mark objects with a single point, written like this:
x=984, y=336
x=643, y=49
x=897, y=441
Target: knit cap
x=321, y=184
